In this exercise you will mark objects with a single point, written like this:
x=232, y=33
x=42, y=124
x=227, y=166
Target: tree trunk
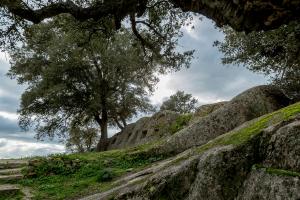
x=103, y=142
x=103, y=122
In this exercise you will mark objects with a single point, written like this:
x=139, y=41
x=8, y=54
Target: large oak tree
x=77, y=73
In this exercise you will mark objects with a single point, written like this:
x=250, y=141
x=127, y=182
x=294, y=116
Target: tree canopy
x=76, y=74
x=275, y=53
x=241, y=15
x=180, y=102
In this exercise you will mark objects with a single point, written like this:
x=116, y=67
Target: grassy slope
x=11, y=196
x=97, y=170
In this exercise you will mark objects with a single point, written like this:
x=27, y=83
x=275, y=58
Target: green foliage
x=54, y=165
x=180, y=122
x=81, y=139
x=274, y=53
x=180, y=102
x=280, y=172
x=105, y=175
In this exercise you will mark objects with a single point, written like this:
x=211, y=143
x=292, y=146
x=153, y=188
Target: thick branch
x=244, y=15
x=118, y=124
x=117, y=8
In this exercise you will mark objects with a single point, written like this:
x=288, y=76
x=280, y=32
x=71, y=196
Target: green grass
x=280, y=172
x=57, y=177
x=11, y=196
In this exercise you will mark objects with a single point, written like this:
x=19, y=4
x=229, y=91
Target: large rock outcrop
x=208, y=122
x=248, y=105
x=145, y=130
x=247, y=163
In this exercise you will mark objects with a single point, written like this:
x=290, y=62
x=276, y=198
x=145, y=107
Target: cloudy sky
x=207, y=79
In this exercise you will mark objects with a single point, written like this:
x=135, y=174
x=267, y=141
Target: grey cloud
x=9, y=104
x=3, y=143
x=18, y=148
x=207, y=76
x=8, y=126
x=10, y=91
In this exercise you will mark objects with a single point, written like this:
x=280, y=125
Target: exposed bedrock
x=248, y=105
x=145, y=130
x=225, y=172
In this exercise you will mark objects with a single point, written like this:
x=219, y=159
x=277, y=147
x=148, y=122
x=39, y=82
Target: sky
x=207, y=80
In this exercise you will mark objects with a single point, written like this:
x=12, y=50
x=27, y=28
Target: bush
x=105, y=175
x=54, y=165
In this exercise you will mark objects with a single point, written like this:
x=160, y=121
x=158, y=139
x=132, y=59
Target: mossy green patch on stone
x=180, y=122
x=253, y=128
x=280, y=172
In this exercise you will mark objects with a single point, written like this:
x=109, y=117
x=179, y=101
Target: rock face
x=248, y=105
x=204, y=110
x=146, y=129
x=208, y=122
x=247, y=163
x=265, y=186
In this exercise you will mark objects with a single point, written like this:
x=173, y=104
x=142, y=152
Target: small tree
x=180, y=102
x=82, y=139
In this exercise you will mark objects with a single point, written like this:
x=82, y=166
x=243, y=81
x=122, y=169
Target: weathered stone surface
x=248, y=105
x=11, y=164
x=146, y=129
x=283, y=149
x=264, y=186
x=11, y=177
x=8, y=189
x=206, y=109
x=10, y=171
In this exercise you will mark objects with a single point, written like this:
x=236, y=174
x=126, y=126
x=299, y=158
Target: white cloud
x=16, y=148
x=163, y=90
x=190, y=29
x=8, y=115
